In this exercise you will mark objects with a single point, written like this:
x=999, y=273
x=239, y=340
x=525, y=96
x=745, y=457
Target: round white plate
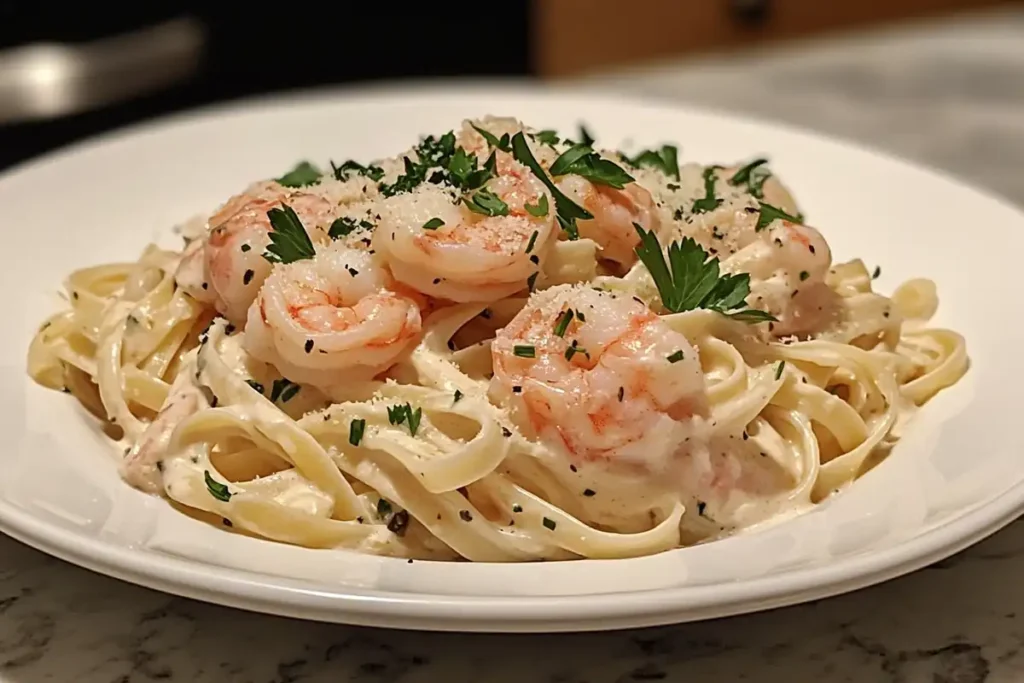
x=954, y=479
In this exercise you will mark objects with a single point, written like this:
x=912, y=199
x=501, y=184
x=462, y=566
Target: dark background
x=248, y=51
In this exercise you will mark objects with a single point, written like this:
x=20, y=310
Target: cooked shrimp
x=234, y=267
x=468, y=256
x=327, y=320
x=787, y=261
x=615, y=211
x=618, y=385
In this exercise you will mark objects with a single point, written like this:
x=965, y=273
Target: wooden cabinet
x=574, y=36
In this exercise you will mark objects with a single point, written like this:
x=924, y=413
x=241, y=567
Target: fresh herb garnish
x=563, y=323
x=585, y=137
x=742, y=176
x=217, y=489
x=288, y=239
x=583, y=161
x=573, y=350
x=430, y=153
x=355, y=431
x=531, y=282
x=256, y=386
x=342, y=227
x=404, y=413
x=283, y=389
x=567, y=210
x=303, y=174
x=779, y=368
x=770, y=213
x=486, y=203
x=709, y=202
x=493, y=140
x=348, y=168
x=690, y=279
x=804, y=275
x=675, y=357
x=666, y=160
x=383, y=508
x=532, y=242
x=546, y=137
x=539, y=209
x=433, y=224
x=524, y=351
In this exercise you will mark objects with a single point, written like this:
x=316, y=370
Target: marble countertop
x=949, y=94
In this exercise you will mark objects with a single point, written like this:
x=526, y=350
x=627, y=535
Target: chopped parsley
x=690, y=279
x=676, y=356
x=404, y=413
x=524, y=351
x=583, y=161
x=288, y=239
x=355, y=431
x=383, y=508
x=217, y=489
x=303, y=174
x=567, y=211
x=283, y=389
x=742, y=176
x=486, y=203
x=344, y=226
x=532, y=242
x=709, y=202
x=531, y=282
x=573, y=350
x=349, y=168
x=563, y=323
x=804, y=275
x=585, y=137
x=539, y=209
x=770, y=213
x=665, y=160
x=433, y=224
x=779, y=368
x=493, y=140
x=546, y=137
x=549, y=524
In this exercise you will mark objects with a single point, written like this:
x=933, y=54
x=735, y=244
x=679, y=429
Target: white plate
x=954, y=479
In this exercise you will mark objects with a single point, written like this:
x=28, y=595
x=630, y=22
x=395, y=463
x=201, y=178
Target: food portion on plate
x=499, y=345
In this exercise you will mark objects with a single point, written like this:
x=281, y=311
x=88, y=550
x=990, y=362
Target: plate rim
x=299, y=598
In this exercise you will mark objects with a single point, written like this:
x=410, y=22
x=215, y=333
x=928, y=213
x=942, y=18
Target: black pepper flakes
x=517, y=389
x=535, y=259
x=206, y=285
x=589, y=493
x=309, y=345
x=247, y=276
x=572, y=468
x=437, y=280
x=227, y=522
x=505, y=432
x=465, y=516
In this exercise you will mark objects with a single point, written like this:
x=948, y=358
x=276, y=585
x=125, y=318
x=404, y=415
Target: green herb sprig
x=288, y=238
x=690, y=279
x=566, y=210
x=303, y=174
x=666, y=160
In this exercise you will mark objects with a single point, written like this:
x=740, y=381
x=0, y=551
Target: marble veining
x=950, y=94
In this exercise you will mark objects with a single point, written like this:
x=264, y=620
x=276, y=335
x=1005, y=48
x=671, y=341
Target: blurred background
x=89, y=67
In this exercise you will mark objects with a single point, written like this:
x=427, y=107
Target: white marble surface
x=950, y=95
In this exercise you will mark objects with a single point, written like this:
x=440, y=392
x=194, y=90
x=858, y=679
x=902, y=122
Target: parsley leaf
x=350, y=168
x=217, y=489
x=690, y=279
x=769, y=214
x=404, y=413
x=709, y=202
x=344, y=226
x=566, y=209
x=283, y=389
x=539, y=209
x=666, y=160
x=493, y=140
x=742, y=176
x=583, y=161
x=546, y=137
x=486, y=203
x=288, y=239
x=563, y=323
x=304, y=173
x=433, y=224
x=355, y=431
x=585, y=136
x=524, y=351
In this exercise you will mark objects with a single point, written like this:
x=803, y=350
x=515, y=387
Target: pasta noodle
x=498, y=346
